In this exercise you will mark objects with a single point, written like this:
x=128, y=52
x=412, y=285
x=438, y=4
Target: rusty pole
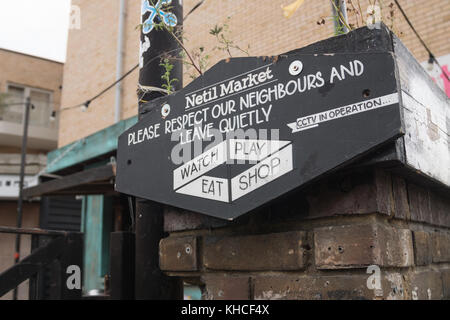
x=26, y=118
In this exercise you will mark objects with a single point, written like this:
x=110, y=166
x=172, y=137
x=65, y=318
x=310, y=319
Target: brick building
x=23, y=76
x=258, y=24
x=322, y=240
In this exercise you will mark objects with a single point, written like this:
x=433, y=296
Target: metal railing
x=54, y=252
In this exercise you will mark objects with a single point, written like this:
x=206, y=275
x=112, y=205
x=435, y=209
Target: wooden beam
x=33, y=231
x=93, y=180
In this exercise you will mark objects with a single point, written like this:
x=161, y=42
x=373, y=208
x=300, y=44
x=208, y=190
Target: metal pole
x=339, y=27
x=26, y=117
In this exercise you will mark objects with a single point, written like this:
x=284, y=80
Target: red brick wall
x=318, y=244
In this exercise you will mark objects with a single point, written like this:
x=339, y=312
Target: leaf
x=216, y=30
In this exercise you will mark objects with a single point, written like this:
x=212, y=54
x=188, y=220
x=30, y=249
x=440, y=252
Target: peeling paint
x=395, y=281
x=432, y=128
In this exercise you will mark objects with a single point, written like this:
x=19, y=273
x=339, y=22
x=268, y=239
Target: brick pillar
x=368, y=234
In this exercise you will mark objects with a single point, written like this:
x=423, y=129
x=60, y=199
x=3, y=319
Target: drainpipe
x=119, y=64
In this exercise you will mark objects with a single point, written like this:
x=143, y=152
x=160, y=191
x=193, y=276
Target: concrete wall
x=91, y=57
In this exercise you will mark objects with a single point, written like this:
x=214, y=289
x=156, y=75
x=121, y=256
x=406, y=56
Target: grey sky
x=36, y=27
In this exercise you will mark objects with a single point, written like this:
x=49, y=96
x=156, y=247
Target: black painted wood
x=145, y=165
x=122, y=265
x=402, y=152
x=150, y=282
x=90, y=181
x=30, y=265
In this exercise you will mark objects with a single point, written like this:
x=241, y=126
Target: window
x=43, y=109
x=13, y=113
x=41, y=99
x=16, y=94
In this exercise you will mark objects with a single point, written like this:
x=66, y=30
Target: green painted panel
x=95, y=145
x=97, y=226
x=192, y=292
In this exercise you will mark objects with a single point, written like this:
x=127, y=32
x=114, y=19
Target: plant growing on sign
x=162, y=19
x=225, y=44
x=252, y=129
x=168, y=85
x=351, y=15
